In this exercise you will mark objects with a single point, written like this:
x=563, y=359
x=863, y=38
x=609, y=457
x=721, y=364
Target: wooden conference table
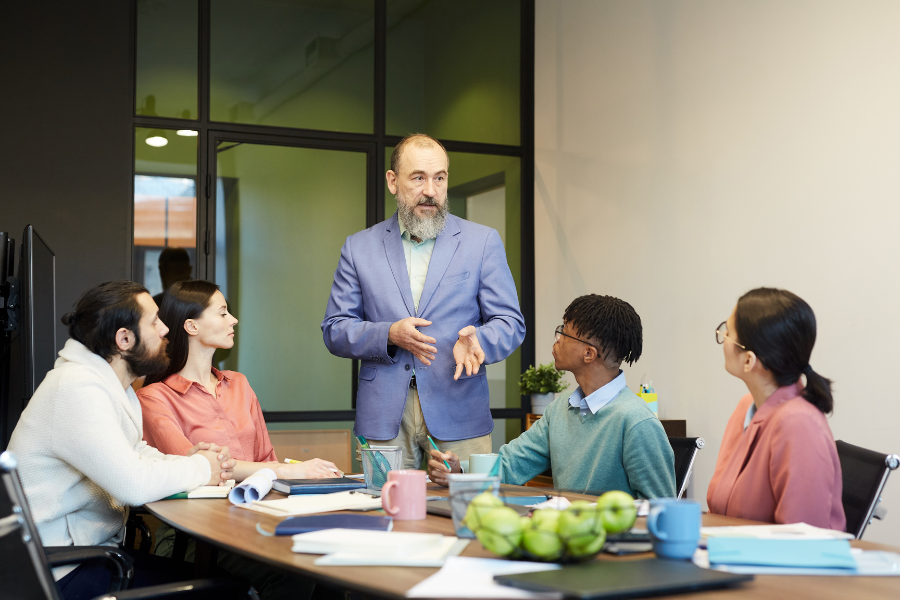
x=218, y=524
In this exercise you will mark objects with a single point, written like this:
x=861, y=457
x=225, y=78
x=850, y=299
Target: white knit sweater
x=81, y=457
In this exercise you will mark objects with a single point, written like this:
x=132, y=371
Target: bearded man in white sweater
x=79, y=443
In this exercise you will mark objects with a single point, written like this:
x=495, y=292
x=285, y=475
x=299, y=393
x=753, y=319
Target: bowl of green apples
x=572, y=535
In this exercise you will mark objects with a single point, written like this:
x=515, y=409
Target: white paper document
x=794, y=531
x=432, y=557
x=463, y=577
x=212, y=491
x=310, y=504
x=359, y=541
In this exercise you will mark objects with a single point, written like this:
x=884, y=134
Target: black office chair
x=685, y=452
x=863, y=473
x=26, y=574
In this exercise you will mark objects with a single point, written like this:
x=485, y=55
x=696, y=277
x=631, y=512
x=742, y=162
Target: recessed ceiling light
x=187, y=132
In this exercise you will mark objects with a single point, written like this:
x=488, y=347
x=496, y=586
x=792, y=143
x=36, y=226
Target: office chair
x=685, y=450
x=863, y=474
x=27, y=574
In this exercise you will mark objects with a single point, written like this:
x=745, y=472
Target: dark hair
x=780, y=328
x=419, y=139
x=185, y=300
x=611, y=322
x=101, y=312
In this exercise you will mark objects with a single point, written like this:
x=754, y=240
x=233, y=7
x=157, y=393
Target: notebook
x=316, y=486
x=205, y=491
x=431, y=557
x=296, y=525
x=609, y=579
x=310, y=504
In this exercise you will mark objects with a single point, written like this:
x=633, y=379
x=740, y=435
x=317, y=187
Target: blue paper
x=780, y=553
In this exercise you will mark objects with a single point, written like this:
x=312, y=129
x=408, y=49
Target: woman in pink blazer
x=778, y=462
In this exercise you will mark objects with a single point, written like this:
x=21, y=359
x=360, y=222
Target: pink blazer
x=783, y=469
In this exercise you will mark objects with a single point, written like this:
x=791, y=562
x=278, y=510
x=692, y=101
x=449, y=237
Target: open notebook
x=315, y=503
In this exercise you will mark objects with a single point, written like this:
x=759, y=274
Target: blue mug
x=674, y=527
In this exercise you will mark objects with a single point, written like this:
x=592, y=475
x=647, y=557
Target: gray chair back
x=685, y=450
x=863, y=474
x=26, y=572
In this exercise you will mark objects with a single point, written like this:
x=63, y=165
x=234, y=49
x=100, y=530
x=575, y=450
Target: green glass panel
x=166, y=58
x=165, y=207
x=282, y=215
x=453, y=70
x=487, y=189
x=306, y=63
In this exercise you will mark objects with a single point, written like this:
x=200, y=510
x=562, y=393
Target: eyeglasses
x=559, y=332
x=722, y=335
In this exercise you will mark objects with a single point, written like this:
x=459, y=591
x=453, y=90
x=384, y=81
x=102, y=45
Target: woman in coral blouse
x=192, y=400
x=778, y=462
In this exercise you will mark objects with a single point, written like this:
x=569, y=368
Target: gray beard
x=425, y=228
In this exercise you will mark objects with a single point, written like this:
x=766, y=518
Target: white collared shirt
x=599, y=398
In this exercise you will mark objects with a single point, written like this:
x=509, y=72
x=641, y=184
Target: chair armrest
x=119, y=563
x=218, y=589
x=879, y=513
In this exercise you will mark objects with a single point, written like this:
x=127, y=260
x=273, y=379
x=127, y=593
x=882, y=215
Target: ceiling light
x=157, y=138
x=187, y=132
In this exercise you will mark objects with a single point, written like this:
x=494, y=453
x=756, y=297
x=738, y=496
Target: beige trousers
x=414, y=441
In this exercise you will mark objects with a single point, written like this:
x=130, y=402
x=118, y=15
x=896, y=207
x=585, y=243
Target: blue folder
x=780, y=553
x=309, y=523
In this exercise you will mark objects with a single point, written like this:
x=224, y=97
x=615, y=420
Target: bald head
x=419, y=140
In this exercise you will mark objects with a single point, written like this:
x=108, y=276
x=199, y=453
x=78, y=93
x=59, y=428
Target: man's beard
x=424, y=228
x=142, y=362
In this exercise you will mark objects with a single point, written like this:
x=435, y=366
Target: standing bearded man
x=422, y=300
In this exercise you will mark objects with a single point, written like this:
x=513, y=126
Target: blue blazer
x=468, y=283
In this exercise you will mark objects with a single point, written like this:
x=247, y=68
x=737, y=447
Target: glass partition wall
x=262, y=134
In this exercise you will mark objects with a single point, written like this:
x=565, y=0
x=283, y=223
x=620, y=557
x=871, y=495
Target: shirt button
x=407, y=367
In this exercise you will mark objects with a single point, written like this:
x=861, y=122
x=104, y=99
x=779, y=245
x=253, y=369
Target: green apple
x=480, y=506
x=617, y=511
x=580, y=526
x=540, y=537
x=500, y=531
x=588, y=547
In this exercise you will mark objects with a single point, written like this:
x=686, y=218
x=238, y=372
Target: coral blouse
x=179, y=413
x=783, y=468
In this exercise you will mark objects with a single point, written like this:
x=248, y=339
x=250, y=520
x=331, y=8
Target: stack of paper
x=794, y=531
x=317, y=503
x=378, y=548
x=206, y=491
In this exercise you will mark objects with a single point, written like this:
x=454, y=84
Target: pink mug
x=403, y=496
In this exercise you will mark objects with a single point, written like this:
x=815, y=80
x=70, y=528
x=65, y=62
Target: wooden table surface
x=222, y=525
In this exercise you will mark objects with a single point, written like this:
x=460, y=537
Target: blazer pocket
x=367, y=373
x=455, y=279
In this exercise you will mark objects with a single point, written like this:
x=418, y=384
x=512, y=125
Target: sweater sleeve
x=649, y=460
x=802, y=472
x=528, y=455
x=86, y=435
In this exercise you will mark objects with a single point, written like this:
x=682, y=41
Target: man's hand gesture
x=467, y=352
x=403, y=333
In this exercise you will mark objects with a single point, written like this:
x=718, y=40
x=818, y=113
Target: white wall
x=688, y=151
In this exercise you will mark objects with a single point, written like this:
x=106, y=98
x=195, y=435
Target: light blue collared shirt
x=599, y=398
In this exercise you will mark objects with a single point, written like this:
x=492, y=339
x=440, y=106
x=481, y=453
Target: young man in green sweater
x=602, y=437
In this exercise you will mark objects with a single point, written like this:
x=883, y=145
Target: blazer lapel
x=444, y=249
x=736, y=466
x=393, y=248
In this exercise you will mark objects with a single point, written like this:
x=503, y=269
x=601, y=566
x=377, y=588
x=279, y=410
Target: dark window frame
x=374, y=144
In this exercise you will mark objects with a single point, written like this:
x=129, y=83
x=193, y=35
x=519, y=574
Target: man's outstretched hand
x=467, y=352
x=403, y=333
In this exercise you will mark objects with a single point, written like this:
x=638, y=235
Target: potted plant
x=542, y=383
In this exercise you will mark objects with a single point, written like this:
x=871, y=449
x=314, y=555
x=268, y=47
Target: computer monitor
x=37, y=301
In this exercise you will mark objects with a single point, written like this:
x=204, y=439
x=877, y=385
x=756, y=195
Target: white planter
x=540, y=401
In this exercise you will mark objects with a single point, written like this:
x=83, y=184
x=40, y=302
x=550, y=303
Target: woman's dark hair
x=184, y=300
x=611, y=322
x=101, y=312
x=780, y=328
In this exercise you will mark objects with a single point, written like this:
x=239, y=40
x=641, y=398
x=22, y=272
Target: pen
x=291, y=461
x=433, y=445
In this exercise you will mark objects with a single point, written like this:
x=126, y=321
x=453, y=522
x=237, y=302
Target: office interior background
x=684, y=152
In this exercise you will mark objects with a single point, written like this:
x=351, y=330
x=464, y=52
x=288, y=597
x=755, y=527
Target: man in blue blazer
x=422, y=300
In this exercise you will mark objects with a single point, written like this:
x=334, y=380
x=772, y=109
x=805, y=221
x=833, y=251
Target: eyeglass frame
x=558, y=332
x=725, y=337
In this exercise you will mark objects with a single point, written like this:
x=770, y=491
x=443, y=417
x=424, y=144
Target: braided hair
x=610, y=322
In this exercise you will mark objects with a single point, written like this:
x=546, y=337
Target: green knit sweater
x=621, y=447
